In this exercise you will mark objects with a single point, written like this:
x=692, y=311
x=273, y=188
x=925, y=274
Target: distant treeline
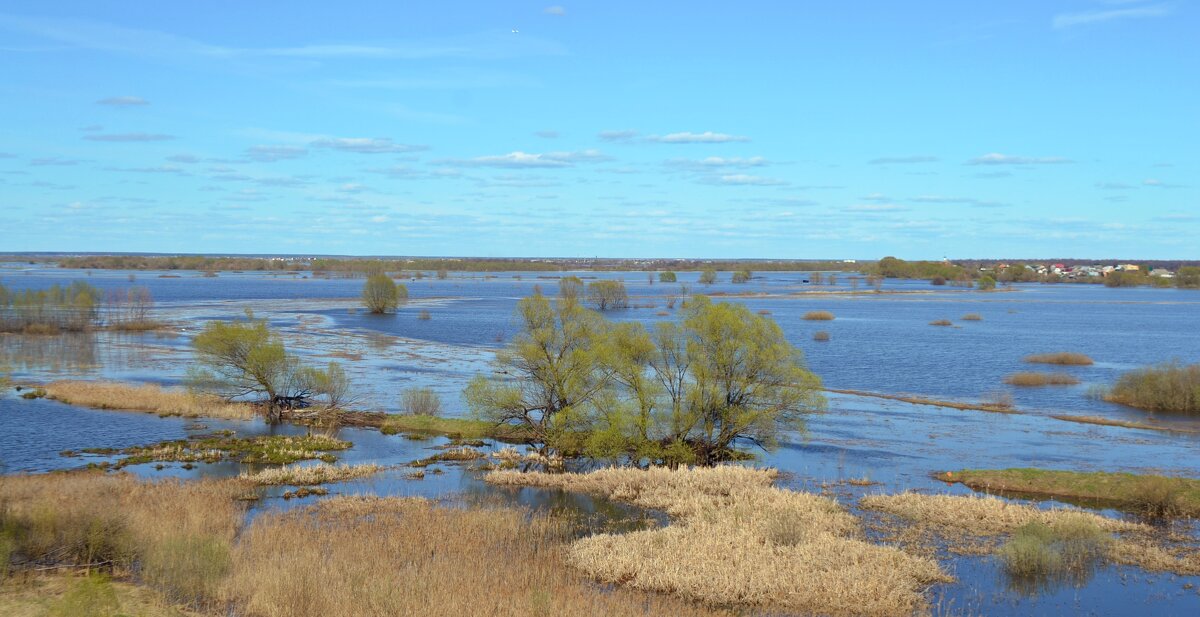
x=370, y=265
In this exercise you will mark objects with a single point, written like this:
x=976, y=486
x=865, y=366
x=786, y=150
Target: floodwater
x=879, y=342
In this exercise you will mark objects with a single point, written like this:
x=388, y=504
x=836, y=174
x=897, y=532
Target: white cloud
x=970, y=201
x=996, y=158
x=366, y=145
x=686, y=137
x=744, y=180
x=123, y=101
x=555, y=10
x=619, y=135
x=129, y=137
x=520, y=159
x=717, y=162
x=270, y=154
x=1068, y=20
x=875, y=208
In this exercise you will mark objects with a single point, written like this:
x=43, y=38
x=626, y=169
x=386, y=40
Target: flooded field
x=878, y=343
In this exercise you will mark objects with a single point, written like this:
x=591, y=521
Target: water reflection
x=71, y=353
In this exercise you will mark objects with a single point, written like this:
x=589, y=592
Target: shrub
x=424, y=316
x=381, y=294
x=987, y=283
x=819, y=316
x=1068, y=548
x=972, y=317
x=666, y=277
x=937, y=280
x=419, y=401
x=1065, y=358
x=608, y=294
x=742, y=276
x=821, y=336
x=708, y=276
x=1159, y=497
x=1041, y=379
x=1169, y=387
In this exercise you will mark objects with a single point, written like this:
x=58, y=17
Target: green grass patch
x=1152, y=495
x=463, y=428
x=272, y=449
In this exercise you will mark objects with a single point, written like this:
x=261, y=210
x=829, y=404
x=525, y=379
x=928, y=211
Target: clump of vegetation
x=941, y=322
x=73, y=308
x=667, y=277
x=938, y=280
x=1067, y=549
x=1066, y=358
x=1147, y=494
x=819, y=316
x=175, y=535
x=821, y=336
x=687, y=390
x=382, y=295
x=608, y=294
x=742, y=276
x=309, y=475
x=149, y=398
x=266, y=449
x=1170, y=388
x=1030, y=379
x=769, y=547
x=424, y=316
x=972, y=317
x=419, y=401
x=129, y=310
x=305, y=491
x=987, y=283
x=708, y=276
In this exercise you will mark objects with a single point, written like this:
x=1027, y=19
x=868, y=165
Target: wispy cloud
x=270, y=154
x=1069, y=20
x=366, y=145
x=875, y=208
x=622, y=135
x=555, y=10
x=996, y=158
x=968, y=201
x=520, y=160
x=903, y=160
x=718, y=162
x=123, y=101
x=743, y=180
x=129, y=137
x=546, y=134
x=53, y=161
x=707, y=137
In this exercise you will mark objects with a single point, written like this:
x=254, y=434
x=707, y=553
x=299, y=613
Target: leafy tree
x=666, y=277
x=381, y=294
x=1188, y=277
x=608, y=294
x=332, y=383
x=987, y=283
x=708, y=276
x=742, y=276
x=554, y=370
x=570, y=288
x=442, y=274
x=236, y=359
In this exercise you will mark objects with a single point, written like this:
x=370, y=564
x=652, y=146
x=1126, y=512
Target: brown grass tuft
x=1065, y=358
x=736, y=540
x=1041, y=379
x=821, y=336
x=149, y=398
x=941, y=322
x=308, y=475
x=819, y=316
x=351, y=556
x=972, y=317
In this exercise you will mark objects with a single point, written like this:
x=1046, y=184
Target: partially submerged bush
x=1066, y=358
x=1041, y=379
x=941, y=322
x=1169, y=387
x=1069, y=548
x=819, y=316
x=821, y=336
x=972, y=317
x=418, y=401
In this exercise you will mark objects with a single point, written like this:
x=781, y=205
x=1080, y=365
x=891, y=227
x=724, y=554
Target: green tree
x=381, y=294
x=554, y=371
x=742, y=276
x=570, y=288
x=237, y=359
x=1188, y=277
x=666, y=277
x=987, y=283
x=331, y=383
x=708, y=276
x=608, y=294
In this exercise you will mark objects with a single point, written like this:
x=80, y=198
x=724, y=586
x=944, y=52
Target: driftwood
x=359, y=419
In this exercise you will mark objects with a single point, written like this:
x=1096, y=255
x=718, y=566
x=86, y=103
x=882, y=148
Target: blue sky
x=619, y=129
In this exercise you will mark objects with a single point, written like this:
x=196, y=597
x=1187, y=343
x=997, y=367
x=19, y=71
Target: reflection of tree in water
x=584, y=514
x=52, y=354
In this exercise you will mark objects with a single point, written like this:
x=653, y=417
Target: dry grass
x=1031, y=379
x=941, y=322
x=145, y=397
x=737, y=540
x=821, y=336
x=1122, y=423
x=819, y=316
x=1000, y=405
x=176, y=536
x=1148, y=494
x=71, y=595
x=1170, y=387
x=309, y=475
x=1065, y=358
x=972, y=317
x=352, y=556
x=958, y=517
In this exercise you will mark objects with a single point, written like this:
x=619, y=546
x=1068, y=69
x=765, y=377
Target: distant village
x=1080, y=271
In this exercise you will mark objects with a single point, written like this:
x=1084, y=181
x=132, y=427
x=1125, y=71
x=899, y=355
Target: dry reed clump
x=972, y=317
x=174, y=536
x=819, y=316
x=309, y=475
x=821, y=336
x=1170, y=387
x=351, y=556
x=985, y=516
x=941, y=322
x=1041, y=379
x=736, y=539
x=1065, y=358
x=146, y=397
